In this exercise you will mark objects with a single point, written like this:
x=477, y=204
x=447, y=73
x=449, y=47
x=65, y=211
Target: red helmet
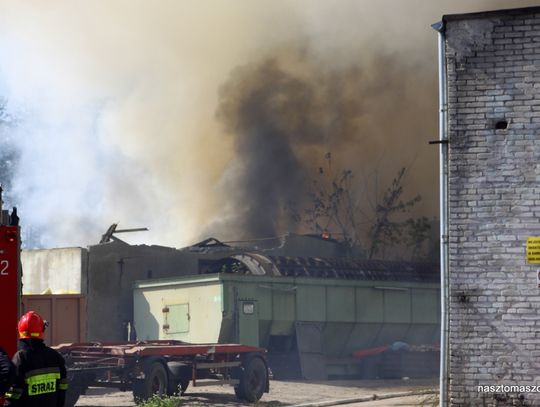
x=31, y=326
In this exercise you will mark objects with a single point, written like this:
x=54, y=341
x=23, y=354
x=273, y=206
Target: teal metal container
x=346, y=315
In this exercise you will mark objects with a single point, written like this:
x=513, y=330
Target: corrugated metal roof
x=340, y=268
x=344, y=268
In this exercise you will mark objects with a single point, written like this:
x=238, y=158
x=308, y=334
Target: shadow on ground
x=225, y=400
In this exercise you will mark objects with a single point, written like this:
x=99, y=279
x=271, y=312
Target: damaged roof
x=340, y=268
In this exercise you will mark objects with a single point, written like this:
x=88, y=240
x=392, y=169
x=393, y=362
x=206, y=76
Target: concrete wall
x=105, y=275
x=112, y=269
x=494, y=204
x=62, y=271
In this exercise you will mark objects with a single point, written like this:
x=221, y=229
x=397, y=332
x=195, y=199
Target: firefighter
x=7, y=371
x=40, y=371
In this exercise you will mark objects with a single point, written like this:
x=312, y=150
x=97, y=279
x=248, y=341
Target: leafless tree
x=361, y=216
x=385, y=230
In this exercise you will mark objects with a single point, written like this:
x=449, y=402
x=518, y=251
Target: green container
x=267, y=311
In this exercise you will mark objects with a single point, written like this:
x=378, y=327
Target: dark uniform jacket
x=40, y=376
x=7, y=372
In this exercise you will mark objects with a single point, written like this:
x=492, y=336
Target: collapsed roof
x=341, y=268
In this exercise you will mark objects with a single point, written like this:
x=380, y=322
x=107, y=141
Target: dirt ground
x=283, y=393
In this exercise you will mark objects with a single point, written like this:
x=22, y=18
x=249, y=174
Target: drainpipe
x=443, y=214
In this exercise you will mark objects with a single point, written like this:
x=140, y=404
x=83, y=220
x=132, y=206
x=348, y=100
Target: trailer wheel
x=155, y=382
x=72, y=395
x=252, y=381
x=179, y=377
x=177, y=387
x=238, y=392
x=78, y=383
x=183, y=386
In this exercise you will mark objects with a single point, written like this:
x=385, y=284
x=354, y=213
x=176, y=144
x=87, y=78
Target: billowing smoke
x=271, y=114
x=284, y=114
x=114, y=109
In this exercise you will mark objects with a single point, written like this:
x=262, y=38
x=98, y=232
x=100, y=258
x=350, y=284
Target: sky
x=200, y=119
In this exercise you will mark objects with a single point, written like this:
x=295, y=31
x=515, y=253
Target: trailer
x=164, y=367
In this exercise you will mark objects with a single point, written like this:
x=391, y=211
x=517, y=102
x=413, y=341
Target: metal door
x=248, y=322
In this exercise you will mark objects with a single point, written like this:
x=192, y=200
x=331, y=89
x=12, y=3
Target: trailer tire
x=238, y=392
x=177, y=387
x=155, y=382
x=72, y=395
x=253, y=380
x=179, y=377
x=78, y=384
x=183, y=386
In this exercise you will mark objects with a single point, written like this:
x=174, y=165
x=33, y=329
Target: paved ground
x=282, y=393
x=416, y=401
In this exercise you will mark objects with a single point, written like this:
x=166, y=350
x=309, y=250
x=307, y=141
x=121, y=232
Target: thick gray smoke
x=285, y=114
x=270, y=113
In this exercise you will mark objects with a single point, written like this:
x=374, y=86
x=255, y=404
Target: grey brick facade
x=493, y=62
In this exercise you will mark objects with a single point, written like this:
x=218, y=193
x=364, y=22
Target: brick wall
x=494, y=204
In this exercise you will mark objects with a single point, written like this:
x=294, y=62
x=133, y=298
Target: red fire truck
x=10, y=280
x=10, y=286
x=144, y=367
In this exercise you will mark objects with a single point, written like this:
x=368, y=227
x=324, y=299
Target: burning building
x=310, y=306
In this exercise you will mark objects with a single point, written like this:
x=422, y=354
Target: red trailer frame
x=165, y=367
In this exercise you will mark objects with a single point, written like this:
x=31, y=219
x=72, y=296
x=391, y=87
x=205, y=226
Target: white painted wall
x=57, y=270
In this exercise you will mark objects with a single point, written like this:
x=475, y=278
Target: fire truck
x=10, y=279
x=143, y=367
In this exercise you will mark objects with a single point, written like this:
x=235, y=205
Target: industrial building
x=105, y=273
x=298, y=296
x=490, y=126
